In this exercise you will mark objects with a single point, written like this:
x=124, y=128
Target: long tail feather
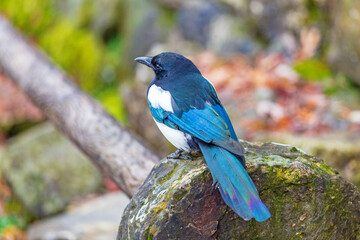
x=235, y=184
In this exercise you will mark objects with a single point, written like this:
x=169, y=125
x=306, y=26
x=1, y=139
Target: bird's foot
x=195, y=153
x=179, y=155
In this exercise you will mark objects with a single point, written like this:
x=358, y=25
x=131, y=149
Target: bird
x=188, y=112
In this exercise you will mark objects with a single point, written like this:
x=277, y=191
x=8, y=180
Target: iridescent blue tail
x=235, y=184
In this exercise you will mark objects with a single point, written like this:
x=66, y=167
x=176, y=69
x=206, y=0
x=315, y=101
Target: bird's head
x=168, y=63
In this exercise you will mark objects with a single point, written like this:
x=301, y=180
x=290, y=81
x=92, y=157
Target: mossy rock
x=46, y=171
x=307, y=200
x=339, y=149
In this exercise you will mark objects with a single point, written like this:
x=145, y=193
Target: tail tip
x=263, y=216
x=259, y=211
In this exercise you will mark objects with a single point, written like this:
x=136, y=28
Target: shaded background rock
x=95, y=219
x=306, y=197
x=194, y=19
x=49, y=172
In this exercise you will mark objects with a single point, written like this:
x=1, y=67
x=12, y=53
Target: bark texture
x=307, y=200
x=114, y=150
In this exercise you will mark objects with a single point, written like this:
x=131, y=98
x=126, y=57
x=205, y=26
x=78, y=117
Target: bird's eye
x=157, y=66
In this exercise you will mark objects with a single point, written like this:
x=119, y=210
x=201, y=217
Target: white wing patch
x=160, y=98
x=176, y=137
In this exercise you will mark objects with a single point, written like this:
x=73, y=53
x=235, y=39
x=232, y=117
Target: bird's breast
x=177, y=138
x=160, y=98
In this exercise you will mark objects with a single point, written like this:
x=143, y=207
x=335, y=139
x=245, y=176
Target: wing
x=201, y=116
x=207, y=125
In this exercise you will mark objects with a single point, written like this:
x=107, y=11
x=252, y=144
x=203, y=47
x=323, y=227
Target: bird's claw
x=179, y=155
x=195, y=153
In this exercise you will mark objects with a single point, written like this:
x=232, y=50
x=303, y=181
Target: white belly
x=176, y=137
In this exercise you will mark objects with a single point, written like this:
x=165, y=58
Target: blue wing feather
x=221, y=111
x=207, y=125
x=202, y=116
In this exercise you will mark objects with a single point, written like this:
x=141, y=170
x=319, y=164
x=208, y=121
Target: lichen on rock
x=46, y=171
x=307, y=200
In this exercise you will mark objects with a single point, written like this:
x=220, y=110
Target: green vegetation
x=341, y=87
x=33, y=17
x=113, y=103
x=92, y=62
x=312, y=70
x=75, y=49
x=6, y=222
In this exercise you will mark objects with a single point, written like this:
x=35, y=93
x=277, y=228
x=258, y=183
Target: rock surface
x=307, y=199
x=96, y=219
x=46, y=171
x=339, y=149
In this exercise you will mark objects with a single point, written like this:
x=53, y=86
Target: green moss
x=339, y=150
x=163, y=179
x=150, y=237
x=293, y=149
x=326, y=168
x=288, y=176
x=77, y=51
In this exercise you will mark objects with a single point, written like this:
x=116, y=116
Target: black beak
x=145, y=60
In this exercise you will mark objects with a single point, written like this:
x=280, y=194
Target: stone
x=195, y=19
x=46, y=171
x=271, y=18
x=226, y=36
x=307, y=199
x=96, y=219
x=338, y=149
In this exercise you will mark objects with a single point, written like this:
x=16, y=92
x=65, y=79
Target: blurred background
x=286, y=71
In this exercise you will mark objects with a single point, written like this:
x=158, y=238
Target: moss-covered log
x=307, y=199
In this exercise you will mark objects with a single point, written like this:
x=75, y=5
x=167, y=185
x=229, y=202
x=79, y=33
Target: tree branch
x=114, y=150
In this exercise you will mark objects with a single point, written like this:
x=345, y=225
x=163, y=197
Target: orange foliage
x=14, y=104
x=266, y=94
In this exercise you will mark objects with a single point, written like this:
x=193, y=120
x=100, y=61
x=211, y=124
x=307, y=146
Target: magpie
x=189, y=114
